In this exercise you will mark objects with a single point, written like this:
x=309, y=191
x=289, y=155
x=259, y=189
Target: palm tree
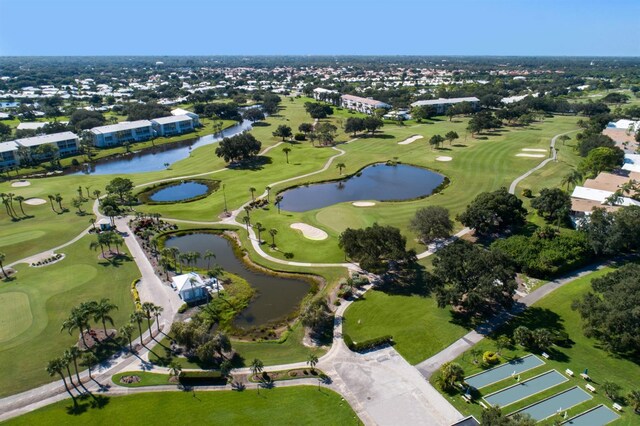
x=247, y=211
x=127, y=331
x=256, y=368
x=273, y=232
x=208, y=255
x=59, y=201
x=77, y=320
x=117, y=240
x=157, y=311
x=20, y=200
x=175, y=368
x=247, y=222
x=73, y=353
x=2, y=259
x=147, y=308
x=92, y=221
x=96, y=194
x=278, y=201
x=259, y=228
x=89, y=359
x=268, y=189
x=51, y=200
x=312, y=361
x=137, y=317
x=55, y=366
x=340, y=167
x=252, y=190
x=572, y=178
x=67, y=359
x=564, y=138
x=450, y=373
x=101, y=313
x=286, y=151
x=194, y=257
x=97, y=243
x=183, y=258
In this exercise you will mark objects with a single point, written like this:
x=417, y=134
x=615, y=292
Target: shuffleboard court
x=555, y=404
x=501, y=372
x=525, y=389
x=599, y=416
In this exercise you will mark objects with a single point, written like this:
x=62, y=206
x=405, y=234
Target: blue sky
x=308, y=27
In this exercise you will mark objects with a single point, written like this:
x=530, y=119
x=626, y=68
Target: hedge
x=366, y=345
x=208, y=377
x=135, y=294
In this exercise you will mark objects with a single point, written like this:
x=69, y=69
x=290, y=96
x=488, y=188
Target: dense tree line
x=492, y=212
x=148, y=111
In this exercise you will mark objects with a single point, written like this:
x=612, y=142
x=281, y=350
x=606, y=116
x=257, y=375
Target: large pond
x=179, y=192
x=154, y=159
x=275, y=297
x=376, y=182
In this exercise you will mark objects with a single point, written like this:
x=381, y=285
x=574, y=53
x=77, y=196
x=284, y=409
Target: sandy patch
x=410, y=140
x=35, y=201
x=443, y=158
x=364, y=203
x=535, y=149
x=310, y=232
x=20, y=183
x=531, y=155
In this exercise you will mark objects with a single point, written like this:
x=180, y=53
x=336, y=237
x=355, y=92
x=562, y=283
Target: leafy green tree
x=601, y=159
x=120, y=187
x=473, y=279
x=354, y=125
x=451, y=136
x=238, y=148
x=371, y=124
x=450, y=374
x=422, y=112
x=436, y=141
x=317, y=316
x=253, y=114
x=552, y=204
x=283, y=131
x=492, y=212
x=431, y=223
x=305, y=128
x=599, y=230
x=634, y=400
x=611, y=389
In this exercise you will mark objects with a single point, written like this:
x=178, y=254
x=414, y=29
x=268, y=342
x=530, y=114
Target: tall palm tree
x=51, y=200
x=247, y=222
x=252, y=190
x=572, y=178
x=2, y=259
x=92, y=221
x=195, y=257
x=73, y=353
x=59, y=201
x=147, y=308
x=208, y=255
x=175, y=368
x=55, y=366
x=89, y=360
x=278, y=201
x=20, y=200
x=127, y=331
x=312, y=361
x=247, y=210
x=137, y=317
x=117, y=240
x=256, y=368
x=340, y=167
x=67, y=359
x=101, y=313
x=77, y=320
x=268, y=189
x=273, y=232
x=157, y=311
x=184, y=259
x=259, y=228
x=286, y=151
x=96, y=194
x=97, y=243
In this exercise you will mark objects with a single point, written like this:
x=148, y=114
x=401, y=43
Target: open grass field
x=554, y=312
x=419, y=328
x=290, y=405
x=35, y=303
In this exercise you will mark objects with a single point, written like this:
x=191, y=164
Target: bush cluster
x=48, y=260
x=135, y=294
x=490, y=357
x=367, y=344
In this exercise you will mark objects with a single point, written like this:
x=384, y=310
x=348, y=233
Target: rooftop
x=42, y=139
x=31, y=125
x=119, y=127
x=8, y=146
x=171, y=119
x=632, y=163
x=443, y=101
x=186, y=281
x=366, y=101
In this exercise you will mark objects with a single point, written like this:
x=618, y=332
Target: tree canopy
x=136, y=111
x=318, y=110
x=238, y=148
x=601, y=159
x=432, y=222
x=81, y=119
x=552, y=203
x=492, y=212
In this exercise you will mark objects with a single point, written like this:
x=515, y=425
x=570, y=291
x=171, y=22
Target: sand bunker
x=364, y=203
x=534, y=149
x=310, y=232
x=443, y=158
x=410, y=140
x=35, y=201
x=20, y=183
x=531, y=155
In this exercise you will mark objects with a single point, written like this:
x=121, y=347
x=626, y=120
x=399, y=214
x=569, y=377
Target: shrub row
x=136, y=295
x=367, y=344
x=48, y=260
x=209, y=377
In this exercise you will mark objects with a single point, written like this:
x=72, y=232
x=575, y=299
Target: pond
x=376, y=182
x=154, y=159
x=179, y=192
x=275, y=298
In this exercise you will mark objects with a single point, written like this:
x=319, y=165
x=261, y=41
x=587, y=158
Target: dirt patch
x=130, y=379
x=310, y=232
x=94, y=337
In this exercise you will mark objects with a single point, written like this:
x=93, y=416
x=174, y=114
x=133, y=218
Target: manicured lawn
x=278, y=406
x=35, y=303
x=419, y=328
x=554, y=312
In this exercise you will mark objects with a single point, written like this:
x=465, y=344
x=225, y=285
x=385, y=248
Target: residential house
x=442, y=105
x=9, y=154
x=365, y=105
x=172, y=125
x=126, y=131
x=190, y=287
x=65, y=142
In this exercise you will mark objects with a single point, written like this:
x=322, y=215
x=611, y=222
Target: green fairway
x=35, y=303
x=554, y=312
x=279, y=406
x=419, y=328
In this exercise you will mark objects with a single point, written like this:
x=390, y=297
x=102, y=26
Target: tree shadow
x=256, y=163
x=262, y=123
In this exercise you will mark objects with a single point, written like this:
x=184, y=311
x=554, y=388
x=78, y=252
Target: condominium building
x=365, y=105
x=9, y=154
x=172, y=125
x=126, y=131
x=442, y=105
x=195, y=117
x=65, y=142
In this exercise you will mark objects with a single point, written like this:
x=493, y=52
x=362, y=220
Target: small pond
x=179, y=192
x=376, y=182
x=275, y=298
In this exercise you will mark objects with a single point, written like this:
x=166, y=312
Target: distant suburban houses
x=442, y=105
